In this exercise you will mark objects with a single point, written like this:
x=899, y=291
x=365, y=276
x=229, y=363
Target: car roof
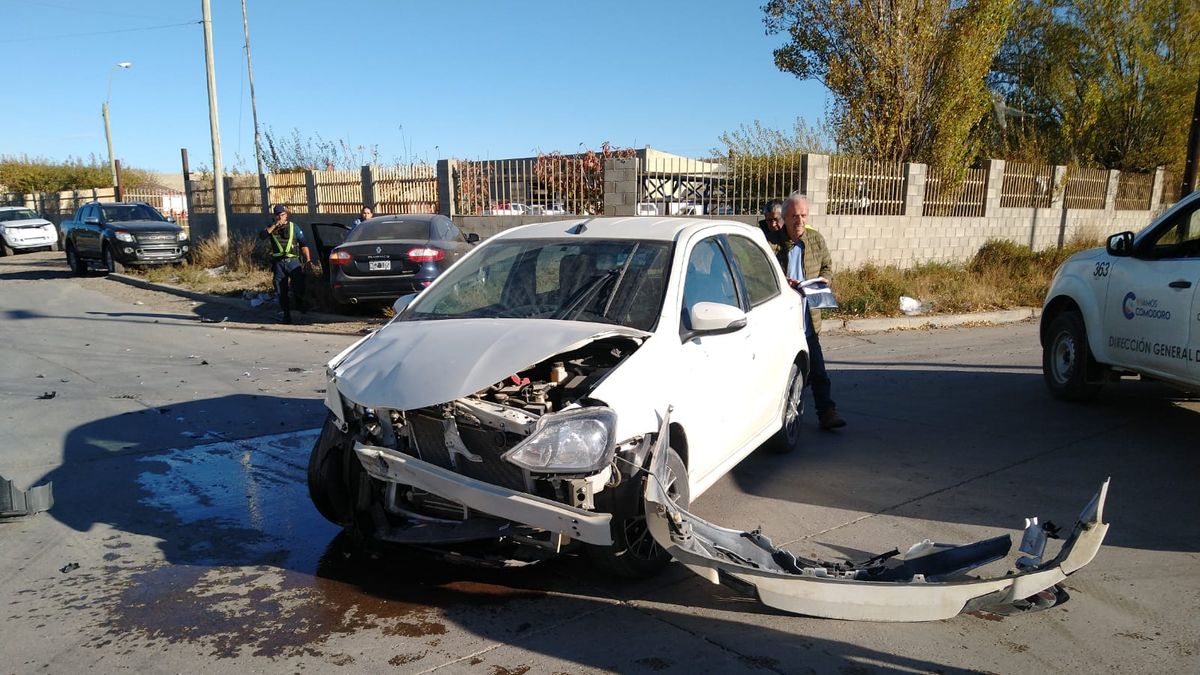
x=14, y=208
x=654, y=228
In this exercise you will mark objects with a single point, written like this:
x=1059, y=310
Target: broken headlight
x=573, y=441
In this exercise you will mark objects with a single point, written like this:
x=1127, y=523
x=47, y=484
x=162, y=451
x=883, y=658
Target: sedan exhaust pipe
x=354, y=301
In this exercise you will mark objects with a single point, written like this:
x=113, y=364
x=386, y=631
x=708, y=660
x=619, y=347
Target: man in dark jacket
x=772, y=225
x=287, y=249
x=803, y=256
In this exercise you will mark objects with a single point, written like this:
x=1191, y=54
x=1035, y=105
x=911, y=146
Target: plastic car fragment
x=925, y=583
x=15, y=503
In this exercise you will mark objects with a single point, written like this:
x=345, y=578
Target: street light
x=112, y=164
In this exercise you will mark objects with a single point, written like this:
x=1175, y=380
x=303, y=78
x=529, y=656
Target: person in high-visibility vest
x=287, y=249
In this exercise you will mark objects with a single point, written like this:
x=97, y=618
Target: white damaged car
x=23, y=230
x=518, y=405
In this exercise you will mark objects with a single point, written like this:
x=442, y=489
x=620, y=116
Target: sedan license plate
x=379, y=265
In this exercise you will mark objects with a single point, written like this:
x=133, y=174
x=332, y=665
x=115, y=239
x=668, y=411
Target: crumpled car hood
x=413, y=364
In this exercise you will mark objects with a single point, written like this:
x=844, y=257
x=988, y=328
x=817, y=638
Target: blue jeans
x=288, y=278
x=818, y=379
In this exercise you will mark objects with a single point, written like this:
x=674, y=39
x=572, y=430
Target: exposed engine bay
x=473, y=435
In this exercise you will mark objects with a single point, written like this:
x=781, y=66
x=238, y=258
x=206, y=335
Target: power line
x=102, y=32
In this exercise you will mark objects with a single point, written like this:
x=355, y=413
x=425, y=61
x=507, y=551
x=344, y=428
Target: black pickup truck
x=119, y=234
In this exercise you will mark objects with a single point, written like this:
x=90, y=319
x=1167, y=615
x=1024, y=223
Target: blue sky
x=420, y=80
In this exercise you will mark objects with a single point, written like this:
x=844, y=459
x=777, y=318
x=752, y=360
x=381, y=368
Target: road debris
x=47, y=395
x=69, y=567
x=14, y=502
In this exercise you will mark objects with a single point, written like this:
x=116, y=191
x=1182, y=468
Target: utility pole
x=218, y=170
x=258, y=156
x=1193, y=150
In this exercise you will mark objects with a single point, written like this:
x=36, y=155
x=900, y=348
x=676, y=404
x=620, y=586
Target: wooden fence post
x=445, y=187
x=264, y=195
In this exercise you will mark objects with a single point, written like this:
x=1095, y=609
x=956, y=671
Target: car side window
x=1179, y=239
x=758, y=270
x=708, y=278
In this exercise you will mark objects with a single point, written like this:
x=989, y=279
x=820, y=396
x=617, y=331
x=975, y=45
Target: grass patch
x=1001, y=275
x=216, y=270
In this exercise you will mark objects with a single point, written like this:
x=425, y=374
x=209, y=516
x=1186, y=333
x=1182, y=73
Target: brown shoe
x=829, y=418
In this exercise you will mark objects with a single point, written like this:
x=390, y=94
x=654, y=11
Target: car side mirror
x=402, y=302
x=472, y=238
x=1120, y=245
x=170, y=219
x=714, y=318
x=91, y=221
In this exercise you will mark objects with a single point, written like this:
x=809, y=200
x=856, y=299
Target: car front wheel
x=110, y=263
x=328, y=486
x=5, y=249
x=787, y=438
x=1065, y=359
x=634, y=554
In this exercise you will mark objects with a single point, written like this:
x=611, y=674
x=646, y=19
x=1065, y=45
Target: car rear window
x=390, y=229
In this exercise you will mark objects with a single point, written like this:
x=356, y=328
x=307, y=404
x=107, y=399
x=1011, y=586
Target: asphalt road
x=177, y=448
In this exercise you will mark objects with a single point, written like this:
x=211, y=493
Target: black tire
x=5, y=249
x=328, y=484
x=110, y=263
x=1066, y=358
x=787, y=438
x=634, y=553
x=77, y=265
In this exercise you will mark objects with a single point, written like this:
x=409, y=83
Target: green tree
x=26, y=174
x=1107, y=82
x=756, y=140
x=908, y=77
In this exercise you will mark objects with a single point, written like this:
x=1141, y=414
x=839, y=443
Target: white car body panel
x=1141, y=313
x=28, y=233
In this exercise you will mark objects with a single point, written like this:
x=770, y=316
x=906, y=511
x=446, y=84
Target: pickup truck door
x=87, y=235
x=1150, y=313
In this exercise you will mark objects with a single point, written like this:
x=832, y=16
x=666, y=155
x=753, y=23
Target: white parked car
x=574, y=385
x=1129, y=308
x=23, y=230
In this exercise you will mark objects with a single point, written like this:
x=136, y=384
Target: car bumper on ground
x=925, y=583
x=390, y=466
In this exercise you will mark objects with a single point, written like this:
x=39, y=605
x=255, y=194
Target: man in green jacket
x=804, y=255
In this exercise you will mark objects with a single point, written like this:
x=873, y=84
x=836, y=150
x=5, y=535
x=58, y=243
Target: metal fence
x=1027, y=186
x=410, y=188
x=1086, y=188
x=170, y=203
x=338, y=191
x=1172, y=188
x=544, y=186
x=860, y=186
x=1134, y=191
x=950, y=192
x=202, y=195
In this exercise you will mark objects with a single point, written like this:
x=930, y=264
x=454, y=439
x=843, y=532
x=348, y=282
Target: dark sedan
x=389, y=256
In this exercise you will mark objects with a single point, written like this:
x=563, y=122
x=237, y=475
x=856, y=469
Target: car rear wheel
x=328, y=486
x=634, y=553
x=78, y=266
x=110, y=263
x=1065, y=358
x=787, y=438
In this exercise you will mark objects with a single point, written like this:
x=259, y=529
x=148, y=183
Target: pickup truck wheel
x=787, y=438
x=328, y=486
x=111, y=264
x=5, y=249
x=78, y=267
x=634, y=553
x=1065, y=358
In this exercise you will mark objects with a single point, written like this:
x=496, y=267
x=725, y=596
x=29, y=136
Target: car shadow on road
x=941, y=442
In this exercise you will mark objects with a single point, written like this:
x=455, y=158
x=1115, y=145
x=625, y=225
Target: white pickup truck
x=1129, y=308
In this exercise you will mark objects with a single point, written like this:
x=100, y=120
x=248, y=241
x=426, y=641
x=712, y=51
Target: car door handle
x=1181, y=283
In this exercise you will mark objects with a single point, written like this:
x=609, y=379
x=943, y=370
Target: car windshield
x=116, y=213
x=607, y=281
x=389, y=228
x=17, y=214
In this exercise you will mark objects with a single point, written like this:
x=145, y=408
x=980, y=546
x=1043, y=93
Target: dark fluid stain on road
x=254, y=570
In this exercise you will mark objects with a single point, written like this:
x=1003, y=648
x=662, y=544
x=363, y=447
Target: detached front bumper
x=390, y=466
x=926, y=583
